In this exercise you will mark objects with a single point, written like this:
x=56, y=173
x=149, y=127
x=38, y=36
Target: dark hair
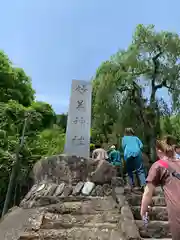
x=129, y=131
x=98, y=145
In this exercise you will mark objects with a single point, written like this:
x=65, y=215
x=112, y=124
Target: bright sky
x=60, y=40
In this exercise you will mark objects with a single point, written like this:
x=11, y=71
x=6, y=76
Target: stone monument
x=79, y=119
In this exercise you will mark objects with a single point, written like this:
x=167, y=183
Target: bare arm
x=147, y=198
x=140, y=143
x=154, y=179
x=99, y=166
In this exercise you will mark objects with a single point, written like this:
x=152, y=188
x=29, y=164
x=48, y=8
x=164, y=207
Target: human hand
x=143, y=213
x=145, y=216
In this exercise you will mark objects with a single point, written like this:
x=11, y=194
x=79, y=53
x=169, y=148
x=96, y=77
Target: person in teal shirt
x=132, y=147
x=114, y=156
x=115, y=159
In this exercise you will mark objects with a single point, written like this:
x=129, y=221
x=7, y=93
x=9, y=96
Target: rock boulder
x=71, y=170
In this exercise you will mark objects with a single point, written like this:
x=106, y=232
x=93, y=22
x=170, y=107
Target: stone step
x=155, y=229
x=156, y=213
x=135, y=200
x=158, y=192
x=57, y=221
x=60, y=225
x=74, y=233
x=93, y=206
x=15, y=222
x=137, y=190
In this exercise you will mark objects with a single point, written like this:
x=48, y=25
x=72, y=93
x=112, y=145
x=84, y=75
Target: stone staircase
x=58, y=207
x=47, y=213
x=75, y=217
x=158, y=227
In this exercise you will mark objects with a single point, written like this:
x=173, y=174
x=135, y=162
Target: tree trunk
x=153, y=103
x=14, y=172
x=153, y=156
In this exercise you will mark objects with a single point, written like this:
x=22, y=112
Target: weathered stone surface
x=119, y=190
x=135, y=200
x=107, y=189
x=81, y=220
x=59, y=189
x=127, y=189
x=156, y=213
x=67, y=191
x=30, y=193
x=72, y=169
x=158, y=226
x=117, y=235
x=104, y=174
x=159, y=201
x=156, y=229
x=99, y=190
x=159, y=192
x=156, y=238
x=127, y=213
x=44, y=200
x=93, y=193
x=92, y=206
x=74, y=233
x=128, y=224
x=15, y=222
x=77, y=189
x=108, y=217
x=87, y=188
x=48, y=189
x=63, y=212
x=117, y=181
x=121, y=200
x=52, y=189
x=130, y=230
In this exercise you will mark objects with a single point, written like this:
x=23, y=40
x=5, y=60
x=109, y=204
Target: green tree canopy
x=151, y=62
x=14, y=84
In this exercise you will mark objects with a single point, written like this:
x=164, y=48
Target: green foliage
x=49, y=142
x=158, y=59
x=171, y=126
x=151, y=62
x=61, y=120
x=43, y=114
x=42, y=136
x=14, y=84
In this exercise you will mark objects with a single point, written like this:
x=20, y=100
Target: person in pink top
x=162, y=173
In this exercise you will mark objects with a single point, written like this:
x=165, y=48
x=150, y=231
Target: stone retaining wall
x=60, y=210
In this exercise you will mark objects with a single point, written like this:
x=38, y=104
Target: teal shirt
x=132, y=146
x=115, y=157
